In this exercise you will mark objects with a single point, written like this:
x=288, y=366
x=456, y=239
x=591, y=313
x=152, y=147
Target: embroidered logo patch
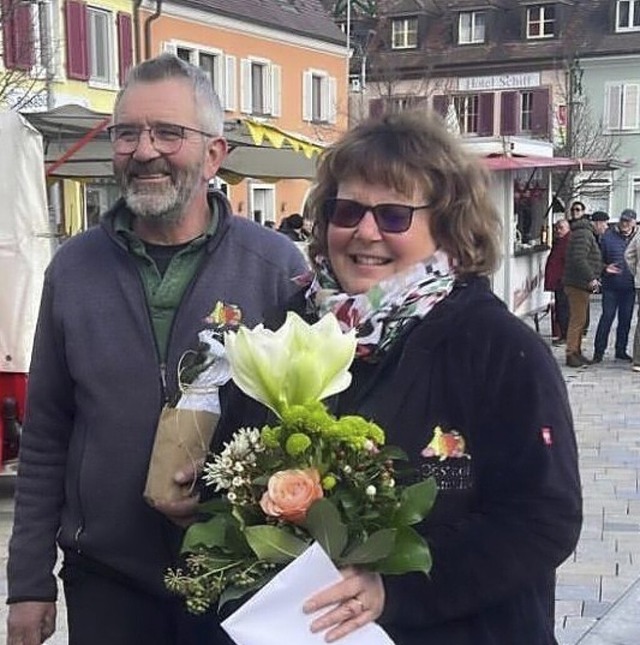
x=224, y=316
x=445, y=445
x=547, y=437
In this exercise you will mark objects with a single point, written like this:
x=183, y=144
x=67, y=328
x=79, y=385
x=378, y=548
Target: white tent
x=25, y=239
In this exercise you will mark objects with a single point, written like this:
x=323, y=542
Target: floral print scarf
x=380, y=314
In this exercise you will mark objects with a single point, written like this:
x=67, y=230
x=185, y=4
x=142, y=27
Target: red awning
x=515, y=162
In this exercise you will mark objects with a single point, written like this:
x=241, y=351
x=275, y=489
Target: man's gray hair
x=167, y=66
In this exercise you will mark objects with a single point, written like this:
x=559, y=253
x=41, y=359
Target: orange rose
x=290, y=493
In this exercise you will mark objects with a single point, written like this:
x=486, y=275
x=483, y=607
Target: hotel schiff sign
x=501, y=82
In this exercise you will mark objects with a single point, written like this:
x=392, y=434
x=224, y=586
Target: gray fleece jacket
x=95, y=394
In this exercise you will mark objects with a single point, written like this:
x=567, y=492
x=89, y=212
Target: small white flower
x=237, y=482
x=347, y=469
x=369, y=445
x=371, y=490
x=238, y=467
x=391, y=482
x=232, y=497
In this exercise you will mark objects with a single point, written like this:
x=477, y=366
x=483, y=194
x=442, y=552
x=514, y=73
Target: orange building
x=281, y=62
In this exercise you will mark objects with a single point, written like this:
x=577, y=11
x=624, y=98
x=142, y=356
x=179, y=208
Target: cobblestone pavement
x=598, y=590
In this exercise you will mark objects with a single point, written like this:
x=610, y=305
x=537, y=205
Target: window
x=628, y=15
x=404, y=33
x=220, y=68
x=263, y=203
x=541, y=21
x=622, y=106
x=100, y=46
x=260, y=87
x=471, y=27
x=93, y=37
x=636, y=195
x=468, y=111
x=318, y=97
x=527, y=112
x=474, y=112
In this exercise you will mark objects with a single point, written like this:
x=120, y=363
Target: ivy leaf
x=377, y=547
x=273, y=544
x=410, y=553
x=209, y=534
x=415, y=502
x=325, y=525
x=233, y=592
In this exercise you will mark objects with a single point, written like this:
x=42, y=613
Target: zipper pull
x=163, y=382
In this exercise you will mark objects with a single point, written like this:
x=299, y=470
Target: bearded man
x=122, y=303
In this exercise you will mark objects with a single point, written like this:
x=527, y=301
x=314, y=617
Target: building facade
x=279, y=62
x=562, y=71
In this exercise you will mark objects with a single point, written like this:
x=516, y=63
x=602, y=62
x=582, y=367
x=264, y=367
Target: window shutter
x=631, y=113
x=332, y=85
x=376, y=108
x=17, y=35
x=219, y=84
x=485, y=114
x=75, y=14
x=307, y=93
x=540, y=113
x=612, y=106
x=245, y=86
x=267, y=84
x=508, y=113
x=125, y=45
x=230, y=83
x=276, y=90
x=440, y=104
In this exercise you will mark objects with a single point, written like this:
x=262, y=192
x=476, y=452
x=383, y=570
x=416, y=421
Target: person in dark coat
x=618, y=289
x=405, y=236
x=582, y=269
x=553, y=274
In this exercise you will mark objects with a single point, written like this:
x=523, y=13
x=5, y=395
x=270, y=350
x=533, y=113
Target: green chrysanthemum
x=297, y=443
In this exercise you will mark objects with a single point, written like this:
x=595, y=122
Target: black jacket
x=503, y=519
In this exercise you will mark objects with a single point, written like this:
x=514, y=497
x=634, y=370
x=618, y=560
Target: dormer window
x=628, y=15
x=471, y=27
x=404, y=33
x=541, y=20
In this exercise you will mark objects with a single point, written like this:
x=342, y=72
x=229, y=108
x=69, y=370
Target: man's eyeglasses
x=390, y=218
x=166, y=138
x=577, y=209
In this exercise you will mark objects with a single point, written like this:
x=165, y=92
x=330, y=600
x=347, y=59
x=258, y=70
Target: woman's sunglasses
x=390, y=218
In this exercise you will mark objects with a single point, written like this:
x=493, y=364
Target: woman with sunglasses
x=405, y=236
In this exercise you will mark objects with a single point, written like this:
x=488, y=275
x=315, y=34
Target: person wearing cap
x=582, y=269
x=618, y=290
x=632, y=258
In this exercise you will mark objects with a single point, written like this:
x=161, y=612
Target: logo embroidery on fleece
x=224, y=316
x=547, y=437
x=445, y=445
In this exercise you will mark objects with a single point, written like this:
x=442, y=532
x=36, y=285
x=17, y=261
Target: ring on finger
x=360, y=606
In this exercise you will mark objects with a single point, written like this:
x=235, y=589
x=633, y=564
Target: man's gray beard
x=166, y=204
x=159, y=205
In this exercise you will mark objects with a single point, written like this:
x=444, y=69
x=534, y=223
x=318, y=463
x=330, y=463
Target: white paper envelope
x=274, y=615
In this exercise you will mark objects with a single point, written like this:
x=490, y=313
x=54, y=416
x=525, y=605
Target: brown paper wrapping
x=182, y=439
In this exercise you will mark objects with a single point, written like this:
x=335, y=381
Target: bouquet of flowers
x=308, y=477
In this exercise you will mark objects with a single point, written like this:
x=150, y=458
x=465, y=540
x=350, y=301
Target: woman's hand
x=353, y=602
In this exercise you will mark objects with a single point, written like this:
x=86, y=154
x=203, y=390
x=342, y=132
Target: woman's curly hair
x=409, y=151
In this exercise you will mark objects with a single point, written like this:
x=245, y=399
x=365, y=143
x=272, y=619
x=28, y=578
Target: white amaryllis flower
x=297, y=364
